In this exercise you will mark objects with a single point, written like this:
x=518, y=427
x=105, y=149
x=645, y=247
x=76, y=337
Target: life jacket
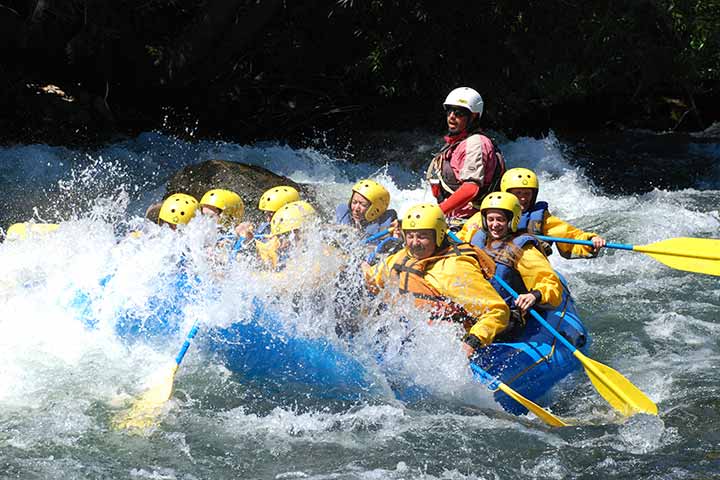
x=343, y=216
x=506, y=255
x=441, y=170
x=532, y=222
x=410, y=275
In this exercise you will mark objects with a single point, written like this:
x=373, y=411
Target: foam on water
x=61, y=377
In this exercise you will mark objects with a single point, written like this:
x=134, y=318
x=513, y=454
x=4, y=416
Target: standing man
x=469, y=166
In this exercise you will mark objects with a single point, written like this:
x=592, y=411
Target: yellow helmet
x=519, y=178
x=291, y=216
x=229, y=203
x=178, y=209
x=276, y=197
x=502, y=201
x=426, y=216
x=376, y=194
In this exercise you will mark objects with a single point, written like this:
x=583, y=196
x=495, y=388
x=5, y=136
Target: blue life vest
x=532, y=222
x=263, y=229
x=506, y=255
x=343, y=216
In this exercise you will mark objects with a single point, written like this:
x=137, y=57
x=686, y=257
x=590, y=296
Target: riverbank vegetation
x=82, y=71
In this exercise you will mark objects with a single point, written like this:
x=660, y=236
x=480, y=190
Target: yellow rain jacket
x=537, y=274
x=268, y=251
x=532, y=265
x=555, y=227
x=303, y=267
x=458, y=274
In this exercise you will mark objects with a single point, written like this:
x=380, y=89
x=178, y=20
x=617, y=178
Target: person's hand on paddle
x=598, y=242
x=469, y=351
x=525, y=301
x=245, y=230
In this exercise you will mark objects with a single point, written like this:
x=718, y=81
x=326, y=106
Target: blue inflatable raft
x=535, y=361
x=260, y=347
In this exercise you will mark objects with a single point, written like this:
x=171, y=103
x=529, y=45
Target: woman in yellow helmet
x=285, y=230
x=367, y=209
x=228, y=209
x=177, y=209
x=517, y=256
x=449, y=280
x=537, y=220
x=271, y=201
x=225, y=205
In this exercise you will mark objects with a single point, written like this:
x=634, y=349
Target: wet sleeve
x=341, y=211
x=537, y=274
x=462, y=196
x=554, y=227
x=470, y=228
x=378, y=274
x=462, y=281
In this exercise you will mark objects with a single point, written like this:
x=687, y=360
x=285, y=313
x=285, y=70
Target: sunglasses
x=458, y=111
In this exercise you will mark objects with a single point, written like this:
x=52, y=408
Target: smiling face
x=420, y=243
x=497, y=223
x=358, y=206
x=525, y=196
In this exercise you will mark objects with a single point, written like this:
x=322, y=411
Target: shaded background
x=79, y=72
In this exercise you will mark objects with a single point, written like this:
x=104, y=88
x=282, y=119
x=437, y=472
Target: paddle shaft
x=186, y=344
x=374, y=237
x=494, y=384
x=538, y=317
x=236, y=247
x=636, y=248
x=599, y=372
x=621, y=246
x=371, y=257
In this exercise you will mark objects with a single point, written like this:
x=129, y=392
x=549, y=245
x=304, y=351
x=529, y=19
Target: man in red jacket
x=470, y=165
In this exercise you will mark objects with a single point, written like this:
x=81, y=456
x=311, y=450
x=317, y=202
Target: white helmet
x=465, y=97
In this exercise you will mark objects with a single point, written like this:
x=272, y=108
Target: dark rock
x=153, y=212
x=248, y=181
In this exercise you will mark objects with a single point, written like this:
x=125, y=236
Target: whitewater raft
x=260, y=347
x=535, y=361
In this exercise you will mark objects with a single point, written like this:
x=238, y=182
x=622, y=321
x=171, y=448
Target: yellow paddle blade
x=698, y=255
x=540, y=412
x=146, y=410
x=616, y=389
x=20, y=231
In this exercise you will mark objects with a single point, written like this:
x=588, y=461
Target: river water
x=63, y=380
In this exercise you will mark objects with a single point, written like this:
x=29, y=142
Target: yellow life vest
x=409, y=274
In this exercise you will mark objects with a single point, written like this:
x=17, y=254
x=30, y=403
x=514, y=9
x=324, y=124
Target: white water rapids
x=61, y=381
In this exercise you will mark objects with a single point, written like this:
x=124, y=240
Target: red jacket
x=468, y=168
